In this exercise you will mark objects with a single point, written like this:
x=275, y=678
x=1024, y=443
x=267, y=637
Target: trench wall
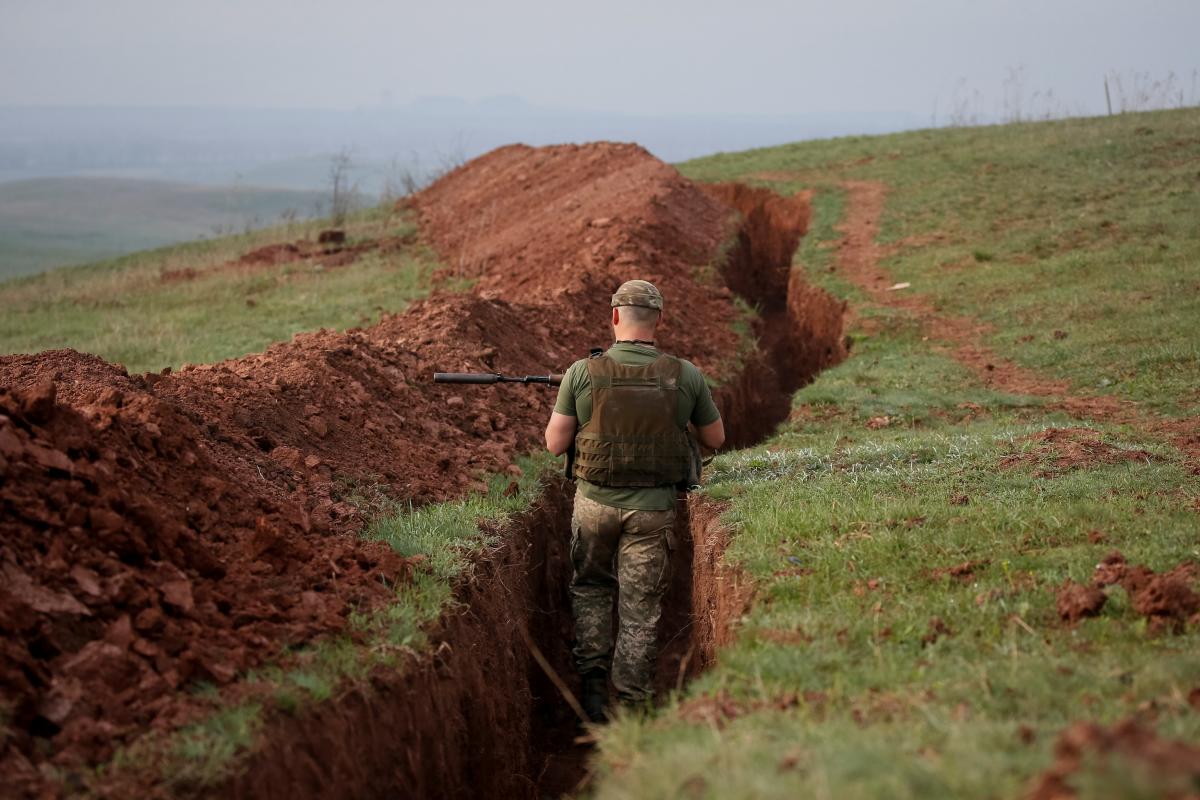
x=468, y=720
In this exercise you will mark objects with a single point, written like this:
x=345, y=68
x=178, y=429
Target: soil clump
x=1168, y=599
x=1127, y=748
x=1076, y=601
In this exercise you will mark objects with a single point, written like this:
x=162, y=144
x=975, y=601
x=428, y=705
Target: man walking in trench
x=626, y=412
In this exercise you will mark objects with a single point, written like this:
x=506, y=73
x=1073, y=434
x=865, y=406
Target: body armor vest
x=632, y=438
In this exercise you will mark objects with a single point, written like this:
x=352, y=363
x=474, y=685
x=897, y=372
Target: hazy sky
x=756, y=56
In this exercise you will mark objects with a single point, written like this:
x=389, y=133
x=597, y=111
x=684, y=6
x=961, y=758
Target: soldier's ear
x=616, y=317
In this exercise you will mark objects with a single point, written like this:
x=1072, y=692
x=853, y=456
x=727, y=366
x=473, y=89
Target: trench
x=478, y=717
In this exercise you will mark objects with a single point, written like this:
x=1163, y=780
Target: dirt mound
x=1066, y=449
x=163, y=529
x=564, y=226
x=1167, y=599
x=1160, y=767
x=134, y=563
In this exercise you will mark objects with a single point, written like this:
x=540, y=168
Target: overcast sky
x=751, y=56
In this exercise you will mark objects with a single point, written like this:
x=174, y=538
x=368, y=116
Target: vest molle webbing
x=632, y=438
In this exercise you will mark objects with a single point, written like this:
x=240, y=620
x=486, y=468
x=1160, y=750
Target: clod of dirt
x=1076, y=601
x=333, y=236
x=720, y=709
x=937, y=629
x=1066, y=449
x=1167, y=599
x=1173, y=766
x=964, y=572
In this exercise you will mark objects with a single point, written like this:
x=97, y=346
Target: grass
x=1086, y=226
x=842, y=527
x=49, y=222
x=863, y=671
x=124, y=311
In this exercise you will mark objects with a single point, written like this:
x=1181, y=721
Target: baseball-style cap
x=638, y=293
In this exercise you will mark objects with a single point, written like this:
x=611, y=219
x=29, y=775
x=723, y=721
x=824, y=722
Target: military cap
x=638, y=293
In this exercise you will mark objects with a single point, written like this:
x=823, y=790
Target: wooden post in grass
x=1107, y=97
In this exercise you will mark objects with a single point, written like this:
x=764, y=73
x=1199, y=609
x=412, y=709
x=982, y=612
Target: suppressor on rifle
x=492, y=377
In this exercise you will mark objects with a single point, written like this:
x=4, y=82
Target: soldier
x=626, y=412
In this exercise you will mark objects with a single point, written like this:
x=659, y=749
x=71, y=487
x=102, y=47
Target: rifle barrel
x=465, y=377
x=494, y=377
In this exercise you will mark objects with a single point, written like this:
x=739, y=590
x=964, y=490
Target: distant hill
x=48, y=222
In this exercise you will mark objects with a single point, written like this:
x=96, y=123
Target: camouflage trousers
x=619, y=555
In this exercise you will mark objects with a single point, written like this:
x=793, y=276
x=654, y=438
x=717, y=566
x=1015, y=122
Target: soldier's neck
x=634, y=335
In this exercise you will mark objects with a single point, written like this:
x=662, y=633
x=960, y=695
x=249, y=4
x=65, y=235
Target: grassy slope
x=48, y=222
x=1085, y=226
x=124, y=311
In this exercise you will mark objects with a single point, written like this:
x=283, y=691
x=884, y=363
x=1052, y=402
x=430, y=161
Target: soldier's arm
x=711, y=435
x=560, y=432
x=706, y=419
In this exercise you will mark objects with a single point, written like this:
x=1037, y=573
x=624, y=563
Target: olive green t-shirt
x=695, y=406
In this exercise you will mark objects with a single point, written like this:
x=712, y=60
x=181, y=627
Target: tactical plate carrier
x=632, y=438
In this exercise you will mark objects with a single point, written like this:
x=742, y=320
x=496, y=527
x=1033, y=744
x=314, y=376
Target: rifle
x=495, y=377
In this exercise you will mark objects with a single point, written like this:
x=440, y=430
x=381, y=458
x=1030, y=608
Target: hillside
x=205, y=301
x=973, y=549
x=51, y=222
x=955, y=553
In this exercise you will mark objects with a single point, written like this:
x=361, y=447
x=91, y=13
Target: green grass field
x=127, y=312
x=861, y=670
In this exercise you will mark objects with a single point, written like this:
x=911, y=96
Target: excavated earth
x=160, y=530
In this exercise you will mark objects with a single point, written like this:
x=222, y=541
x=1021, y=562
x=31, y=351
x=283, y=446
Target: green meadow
x=865, y=667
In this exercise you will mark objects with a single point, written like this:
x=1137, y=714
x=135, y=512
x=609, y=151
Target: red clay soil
x=1076, y=601
x=160, y=530
x=1159, y=767
x=1168, y=599
x=562, y=227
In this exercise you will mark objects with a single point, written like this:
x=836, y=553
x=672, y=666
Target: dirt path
x=962, y=337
